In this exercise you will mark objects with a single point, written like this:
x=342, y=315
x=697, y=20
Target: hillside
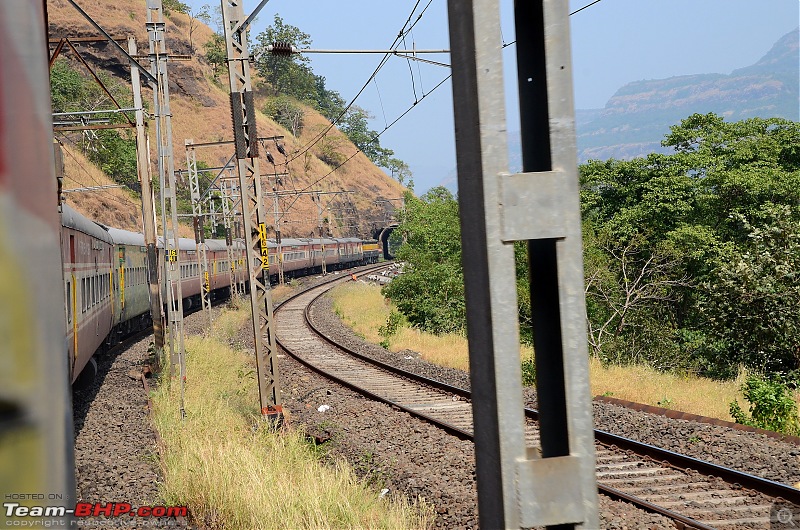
x=636, y=118
x=201, y=112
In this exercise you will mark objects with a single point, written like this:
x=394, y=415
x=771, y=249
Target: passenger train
x=106, y=284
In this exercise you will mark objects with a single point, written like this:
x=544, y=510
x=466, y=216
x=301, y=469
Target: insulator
x=281, y=150
x=282, y=48
x=270, y=158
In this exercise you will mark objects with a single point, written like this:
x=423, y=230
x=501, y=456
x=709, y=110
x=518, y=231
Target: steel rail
x=670, y=458
x=450, y=429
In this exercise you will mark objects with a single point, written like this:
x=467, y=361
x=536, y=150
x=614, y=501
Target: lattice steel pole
x=169, y=209
x=226, y=219
x=320, y=231
x=245, y=138
x=279, y=252
x=212, y=209
x=199, y=236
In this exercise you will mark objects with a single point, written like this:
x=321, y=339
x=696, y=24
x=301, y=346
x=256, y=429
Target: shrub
x=393, y=322
x=772, y=406
x=529, y=372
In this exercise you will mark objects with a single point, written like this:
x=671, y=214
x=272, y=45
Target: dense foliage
x=772, y=406
x=112, y=150
x=691, y=259
x=290, y=81
x=430, y=292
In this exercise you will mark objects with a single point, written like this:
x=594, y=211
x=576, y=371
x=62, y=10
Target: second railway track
x=693, y=493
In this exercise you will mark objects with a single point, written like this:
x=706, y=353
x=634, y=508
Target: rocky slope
x=636, y=118
x=201, y=112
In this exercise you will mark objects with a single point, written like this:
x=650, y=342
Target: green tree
x=399, y=170
x=286, y=75
x=113, y=151
x=751, y=303
x=430, y=292
x=67, y=87
x=196, y=16
x=285, y=111
x=216, y=54
x=329, y=102
x=175, y=5
x=356, y=127
x=696, y=212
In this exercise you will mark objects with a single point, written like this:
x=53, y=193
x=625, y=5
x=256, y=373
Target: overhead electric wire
x=419, y=71
x=411, y=71
x=397, y=39
x=380, y=99
x=576, y=11
x=378, y=135
x=106, y=194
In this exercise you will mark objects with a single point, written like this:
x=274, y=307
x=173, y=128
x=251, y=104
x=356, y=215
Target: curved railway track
x=692, y=492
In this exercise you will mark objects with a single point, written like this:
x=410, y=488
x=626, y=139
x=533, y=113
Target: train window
x=83, y=295
x=69, y=302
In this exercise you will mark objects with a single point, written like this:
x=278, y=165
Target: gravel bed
x=116, y=449
x=749, y=452
x=396, y=451
x=116, y=456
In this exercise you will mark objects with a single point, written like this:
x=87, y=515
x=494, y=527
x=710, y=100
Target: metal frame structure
x=541, y=207
x=253, y=211
x=199, y=235
x=148, y=205
x=228, y=213
x=166, y=171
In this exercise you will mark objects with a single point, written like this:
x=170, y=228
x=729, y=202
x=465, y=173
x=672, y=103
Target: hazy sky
x=613, y=42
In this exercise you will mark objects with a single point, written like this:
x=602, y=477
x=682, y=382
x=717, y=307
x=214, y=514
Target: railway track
x=693, y=493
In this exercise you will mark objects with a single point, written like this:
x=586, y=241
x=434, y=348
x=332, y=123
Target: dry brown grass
x=201, y=111
x=362, y=307
x=234, y=472
x=687, y=393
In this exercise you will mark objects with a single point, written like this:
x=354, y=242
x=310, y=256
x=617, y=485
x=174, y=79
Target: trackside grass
x=234, y=472
x=362, y=308
x=687, y=393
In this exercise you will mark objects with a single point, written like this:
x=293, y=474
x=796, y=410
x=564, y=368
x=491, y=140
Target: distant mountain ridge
x=639, y=115
x=636, y=118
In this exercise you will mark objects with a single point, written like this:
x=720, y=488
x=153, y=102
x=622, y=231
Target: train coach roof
x=126, y=237
x=291, y=242
x=184, y=243
x=350, y=240
x=215, y=244
x=326, y=241
x=70, y=218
